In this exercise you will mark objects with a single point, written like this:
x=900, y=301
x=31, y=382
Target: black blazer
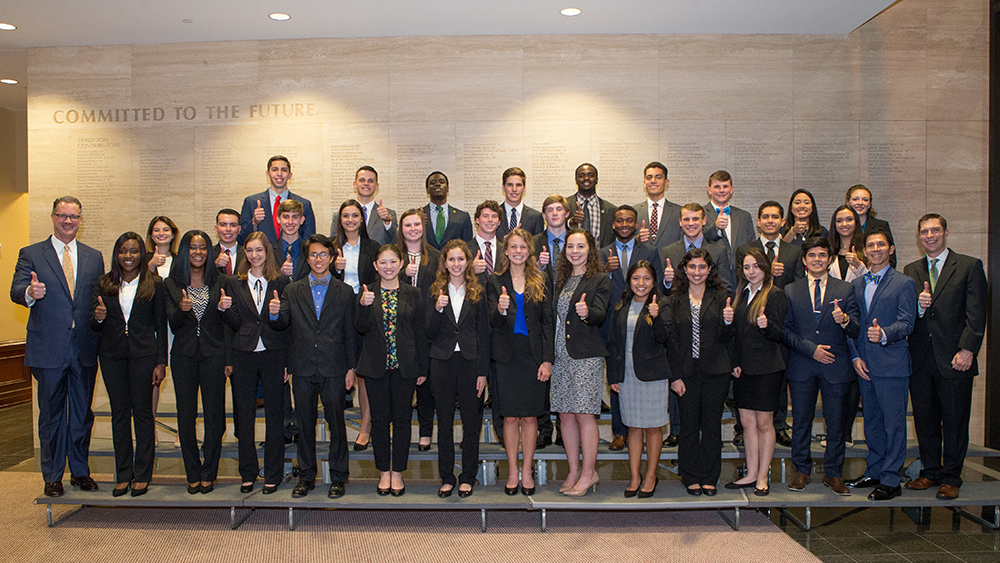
x=537, y=317
x=411, y=340
x=240, y=255
x=301, y=269
x=760, y=351
x=717, y=250
x=471, y=332
x=367, y=274
x=146, y=332
x=459, y=226
x=325, y=347
x=426, y=271
x=187, y=341
x=249, y=324
x=531, y=220
x=583, y=336
x=649, y=354
x=956, y=319
x=715, y=354
x=640, y=251
x=788, y=254
x=607, y=219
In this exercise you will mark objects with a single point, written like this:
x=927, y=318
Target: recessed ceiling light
x=8, y=81
x=279, y=17
x=185, y=20
x=7, y=27
x=570, y=12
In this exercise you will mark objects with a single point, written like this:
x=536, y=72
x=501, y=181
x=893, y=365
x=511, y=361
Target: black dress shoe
x=629, y=493
x=269, y=489
x=542, y=441
x=362, y=447
x=734, y=486
x=671, y=441
x=423, y=447
x=337, y=489
x=762, y=492
x=605, y=408
x=738, y=439
x=194, y=489
x=709, y=491
x=647, y=494
x=558, y=441
x=382, y=492
x=116, y=492
x=862, y=482
x=693, y=492
x=885, y=492
x=54, y=489
x=84, y=482
x=783, y=439
x=401, y=492
x=465, y=494
x=205, y=489
x=246, y=488
x=445, y=494
x=510, y=491
x=527, y=491
x=302, y=488
x=139, y=492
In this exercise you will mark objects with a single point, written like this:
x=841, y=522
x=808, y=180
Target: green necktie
x=933, y=273
x=439, y=224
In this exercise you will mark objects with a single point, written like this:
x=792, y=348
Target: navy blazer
x=57, y=318
x=760, y=350
x=471, y=331
x=144, y=335
x=715, y=335
x=537, y=318
x=267, y=225
x=788, y=254
x=803, y=332
x=894, y=305
x=530, y=220
x=607, y=219
x=411, y=339
x=956, y=319
x=459, y=227
x=649, y=353
x=249, y=324
x=640, y=251
x=324, y=347
x=583, y=336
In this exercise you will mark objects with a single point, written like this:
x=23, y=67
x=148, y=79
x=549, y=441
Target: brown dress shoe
x=837, y=485
x=947, y=492
x=798, y=482
x=618, y=444
x=920, y=484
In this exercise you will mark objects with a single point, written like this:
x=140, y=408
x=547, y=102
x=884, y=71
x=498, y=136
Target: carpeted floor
x=133, y=535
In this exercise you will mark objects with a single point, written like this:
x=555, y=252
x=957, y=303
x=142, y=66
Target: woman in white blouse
x=162, y=237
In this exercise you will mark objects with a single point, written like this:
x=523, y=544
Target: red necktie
x=489, y=258
x=274, y=217
x=654, y=222
x=229, y=264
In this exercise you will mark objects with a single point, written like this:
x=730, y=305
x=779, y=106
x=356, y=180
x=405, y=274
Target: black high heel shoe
x=423, y=448
x=647, y=494
x=401, y=492
x=629, y=493
x=116, y=492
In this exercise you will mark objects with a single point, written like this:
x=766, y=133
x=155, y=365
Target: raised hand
x=186, y=303
x=612, y=264
x=504, y=301
x=367, y=297
x=222, y=260
x=411, y=268
x=37, y=289
x=924, y=299
x=801, y=225
x=722, y=221
x=838, y=314
x=274, y=307
x=643, y=232
x=258, y=214
x=777, y=268
x=156, y=261
x=668, y=273
x=654, y=309
x=874, y=332
x=822, y=354
x=581, y=307
x=478, y=264
x=852, y=258
x=543, y=258
x=288, y=267
x=100, y=312
x=578, y=217
x=727, y=313
x=442, y=301
x=225, y=301
x=383, y=212
x=761, y=318
x=341, y=262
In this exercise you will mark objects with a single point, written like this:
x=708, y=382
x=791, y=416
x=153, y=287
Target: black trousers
x=699, y=445
x=941, y=411
x=425, y=409
x=208, y=374
x=129, y=382
x=456, y=377
x=268, y=367
x=330, y=390
x=390, y=399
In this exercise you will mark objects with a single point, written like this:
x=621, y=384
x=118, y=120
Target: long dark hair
x=753, y=309
x=815, y=229
x=180, y=270
x=362, y=228
x=628, y=295
x=401, y=242
x=857, y=238
x=111, y=282
x=593, y=260
x=150, y=245
x=681, y=284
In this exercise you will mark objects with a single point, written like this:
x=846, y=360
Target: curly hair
x=534, y=280
x=473, y=289
x=593, y=260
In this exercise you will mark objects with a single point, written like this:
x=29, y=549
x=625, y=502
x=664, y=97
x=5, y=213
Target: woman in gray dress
x=578, y=372
x=638, y=372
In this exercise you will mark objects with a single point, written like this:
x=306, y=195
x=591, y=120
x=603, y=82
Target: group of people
x=677, y=306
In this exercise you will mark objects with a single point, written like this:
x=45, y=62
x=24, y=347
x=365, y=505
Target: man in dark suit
x=55, y=278
x=617, y=258
x=289, y=250
x=444, y=222
x=228, y=251
x=513, y=211
x=726, y=223
x=947, y=335
x=692, y=223
x=259, y=210
x=658, y=217
x=822, y=316
x=380, y=220
x=887, y=301
x=322, y=352
x=486, y=246
x=587, y=210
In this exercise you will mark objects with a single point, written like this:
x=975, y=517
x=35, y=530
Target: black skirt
x=518, y=392
x=758, y=392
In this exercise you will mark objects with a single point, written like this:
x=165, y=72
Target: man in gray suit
x=380, y=220
x=513, y=212
x=726, y=222
x=658, y=217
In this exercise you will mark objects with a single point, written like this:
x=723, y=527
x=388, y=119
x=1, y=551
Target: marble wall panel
x=957, y=173
x=483, y=151
x=958, y=62
x=826, y=162
x=556, y=149
x=620, y=151
x=692, y=151
x=416, y=150
x=77, y=78
x=163, y=164
x=826, y=79
x=759, y=158
x=347, y=147
x=893, y=63
x=228, y=166
x=102, y=176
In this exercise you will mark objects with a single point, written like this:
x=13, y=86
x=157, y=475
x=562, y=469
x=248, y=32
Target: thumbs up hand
x=288, y=267
x=654, y=309
x=274, y=307
x=544, y=257
x=924, y=299
x=156, y=261
x=340, y=262
x=222, y=260
x=383, y=212
x=777, y=268
x=367, y=297
x=412, y=268
x=643, y=232
x=258, y=214
x=225, y=301
x=581, y=307
x=728, y=313
x=612, y=264
x=442, y=301
x=668, y=273
x=186, y=304
x=852, y=258
x=504, y=301
x=874, y=332
x=37, y=288
x=762, y=319
x=838, y=314
x=478, y=264
x=100, y=312
x=722, y=221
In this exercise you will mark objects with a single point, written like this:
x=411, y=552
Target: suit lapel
x=883, y=283
x=243, y=292
x=946, y=272
x=56, y=264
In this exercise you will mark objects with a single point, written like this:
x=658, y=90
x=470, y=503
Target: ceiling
x=46, y=23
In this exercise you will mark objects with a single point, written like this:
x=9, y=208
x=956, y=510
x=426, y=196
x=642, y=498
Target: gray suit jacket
x=531, y=220
x=741, y=227
x=669, y=229
x=376, y=228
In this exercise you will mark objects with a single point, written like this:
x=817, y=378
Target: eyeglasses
x=64, y=217
x=323, y=255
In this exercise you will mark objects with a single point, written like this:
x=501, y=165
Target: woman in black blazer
x=420, y=264
x=129, y=315
x=700, y=319
x=459, y=332
x=802, y=220
x=520, y=311
x=393, y=358
x=258, y=355
x=577, y=374
x=860, y=198
x=639, y=373
x=760, y=372
x=198, y=355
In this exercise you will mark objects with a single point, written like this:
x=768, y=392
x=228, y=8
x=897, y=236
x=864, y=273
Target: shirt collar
x=274, y=194
x=629, y=245
x=58, y=245
x=133, y=283
x=940, y=258
x=696, y=242
x=481, y=241
x=552, y=237
x=223, y=248
x=519, y=207
x=883, y=270
x=764, y=241
x=252, y=278
x=822, y=279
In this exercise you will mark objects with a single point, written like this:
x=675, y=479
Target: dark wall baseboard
x=15, y=378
